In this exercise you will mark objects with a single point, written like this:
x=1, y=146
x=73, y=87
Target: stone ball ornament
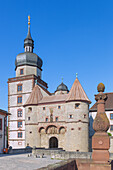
x=100, y=87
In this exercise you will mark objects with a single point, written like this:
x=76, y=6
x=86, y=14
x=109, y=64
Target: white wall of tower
x=28, y=70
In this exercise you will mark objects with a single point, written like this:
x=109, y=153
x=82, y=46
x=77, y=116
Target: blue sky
x=69, y=35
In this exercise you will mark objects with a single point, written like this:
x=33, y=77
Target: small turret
x=62, y=89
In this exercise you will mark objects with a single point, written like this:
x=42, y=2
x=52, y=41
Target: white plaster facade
x=3, y=130
x=92, y=117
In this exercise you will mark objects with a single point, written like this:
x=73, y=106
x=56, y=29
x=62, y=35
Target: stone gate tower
x=28, y=67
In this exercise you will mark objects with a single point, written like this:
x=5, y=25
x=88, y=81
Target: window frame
x=29, y=118
x=18, y=85
x=22, y=69
x=18, y=124
x=20, y=135
x=110, y=127
x=44, y=108
x=20, y=113
x=46, y=119
x=77, y=107
x=18, y=99
x=59, y=107
x=57, y=119
x=71, y=116
x=111, y=116
x=29, y=109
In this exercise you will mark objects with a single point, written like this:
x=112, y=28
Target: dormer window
x=77, y=105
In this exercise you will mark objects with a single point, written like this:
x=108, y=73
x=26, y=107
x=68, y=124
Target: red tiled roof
x=34, y=97
x=46, y=90
x=77, y=92
x=53, y=98
x=108, y=103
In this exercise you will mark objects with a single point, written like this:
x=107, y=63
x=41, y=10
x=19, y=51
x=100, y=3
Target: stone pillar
x=100, y=140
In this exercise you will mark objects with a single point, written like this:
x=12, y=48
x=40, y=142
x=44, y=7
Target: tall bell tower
x=28, y=67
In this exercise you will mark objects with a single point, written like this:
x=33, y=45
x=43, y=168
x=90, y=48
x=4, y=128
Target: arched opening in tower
x=53, y=142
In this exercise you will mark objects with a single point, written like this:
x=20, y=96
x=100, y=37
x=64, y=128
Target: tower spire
x=28, y=42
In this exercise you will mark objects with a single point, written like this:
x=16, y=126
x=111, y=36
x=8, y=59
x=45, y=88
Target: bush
x=109, y=134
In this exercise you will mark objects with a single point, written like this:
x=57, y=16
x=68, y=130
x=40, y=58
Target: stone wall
x=61, y=154
x=63, y=165
x=75, y=128
x=19, y=151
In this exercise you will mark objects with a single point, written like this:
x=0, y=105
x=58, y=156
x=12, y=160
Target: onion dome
x=62, y=87
x=28, y=57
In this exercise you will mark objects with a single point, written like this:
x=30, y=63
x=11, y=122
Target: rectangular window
x=19, y=134
x=111, y=116
x=59, y=107
x=70, y=116
x=19, y=113
x=44, y=108
x=28, y=118
x=84, y=115
x=19, y=99
x=46, y=119
x=19, y=87
x=111, y=127
x=77, y=105
x=56, y=119
x=21, y=71
x=0, y=124
x=20, y=124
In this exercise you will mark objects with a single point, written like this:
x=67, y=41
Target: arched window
x=62, y=130
x=42, y=130
x=51, y=129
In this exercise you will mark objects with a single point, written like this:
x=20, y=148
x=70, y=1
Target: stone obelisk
x=100, y=140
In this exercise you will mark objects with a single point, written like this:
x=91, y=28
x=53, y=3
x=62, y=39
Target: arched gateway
x=53, y=142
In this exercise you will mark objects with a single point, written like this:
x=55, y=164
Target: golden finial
x=28, y=20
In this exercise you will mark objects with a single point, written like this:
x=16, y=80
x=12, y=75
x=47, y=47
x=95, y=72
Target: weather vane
x=76, y=75
x=28, y=20
x=62, y=79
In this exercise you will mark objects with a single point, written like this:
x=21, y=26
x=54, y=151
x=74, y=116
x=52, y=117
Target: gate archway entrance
x=53, y=142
